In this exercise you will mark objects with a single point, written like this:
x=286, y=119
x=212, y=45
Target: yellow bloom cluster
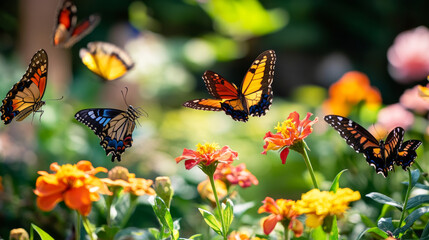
x=207, y=148
x=318, y=205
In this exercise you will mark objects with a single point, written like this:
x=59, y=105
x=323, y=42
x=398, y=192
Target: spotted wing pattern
x=25, y=96
x=254, y=97
x=381, y=155
x=114, y=127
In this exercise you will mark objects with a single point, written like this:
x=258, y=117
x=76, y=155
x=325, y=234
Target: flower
x=411, y=100
x=206, y=191
x=282, y=210
x=75, y=184
x=408, y=56
x=318, y=205
x=289, y=133
x=164, y=189
x=235, y=175
x=392, y=116
x=120, y=177
x=235, y=235
x=352, y=88
x=18, y=234
x=424, y=92
x=206, y=155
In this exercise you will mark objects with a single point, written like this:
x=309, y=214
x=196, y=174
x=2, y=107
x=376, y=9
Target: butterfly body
x=253, y=97
x=25, y=96
x=113, y=126
x=382, y=155
x=67, y=32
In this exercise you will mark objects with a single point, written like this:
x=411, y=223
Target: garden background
x=173, y=43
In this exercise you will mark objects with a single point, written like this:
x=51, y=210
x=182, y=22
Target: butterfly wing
x=407, y=153
x=25, y=96
x=66, y=32
x=383, y=158
x=106, y=60
x=256, y=85
x=114, y=127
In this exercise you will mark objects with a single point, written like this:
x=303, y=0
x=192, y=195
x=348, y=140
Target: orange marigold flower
x=282, y=210
x=207, y=154
x=318, y=205
x=206, y=191
x=289, y=133
x=233, y=175
x=235, y=235
x=76, y=185
x=352, y=88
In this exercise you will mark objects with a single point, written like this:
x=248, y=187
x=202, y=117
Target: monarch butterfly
x=106, y=60
x=113, y=126
x=254, y=97
x=66, y=31
x=25, y=96
x=382, y=155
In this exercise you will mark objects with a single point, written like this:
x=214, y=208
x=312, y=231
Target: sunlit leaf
x=374, y=230
x=386, y=224
x=43, y=235
x=211, y=220
x=228, y=213
x=383, y=199
x=336, y=183
x=417, y=200
x=334, y=229
x=409, y=221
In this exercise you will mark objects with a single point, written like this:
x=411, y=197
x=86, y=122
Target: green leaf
x=155, y=232
x=318, y=234
x=386, y=224
x=162, y=212
x=136, y=234
x=414, y=216
x=374, y=230
x=383, y=199
x=417, y=200
x=336, y=183
x=211, y=221
x=367, y=221
x=107, y=232
x=384, y=211
x=228, y=213
x=334, y=231
x=415, y=175
x=422, y=186
x=43, y=235
x=425, y=233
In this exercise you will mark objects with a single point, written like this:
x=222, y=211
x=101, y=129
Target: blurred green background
x=172, y=43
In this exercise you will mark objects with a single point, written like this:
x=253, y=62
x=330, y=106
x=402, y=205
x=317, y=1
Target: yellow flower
x=206, y=191
x=120, y=177
x=318, y=205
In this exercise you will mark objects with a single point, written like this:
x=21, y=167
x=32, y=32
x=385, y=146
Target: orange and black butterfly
x=382, y=155
x=67, y=32
x=254, y=97
x=25, y=96
x=106, y=60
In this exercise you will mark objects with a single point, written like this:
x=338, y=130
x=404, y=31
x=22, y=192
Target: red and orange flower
x=289, y=133
x=206, y=155
x=282, y=210
x=76, y=185
x=235, y=175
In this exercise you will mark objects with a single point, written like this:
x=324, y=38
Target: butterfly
x=382, y=155
x=113, y=126
x=106, y=60
x=254, y=97
x=66, y=31
x=25, y=96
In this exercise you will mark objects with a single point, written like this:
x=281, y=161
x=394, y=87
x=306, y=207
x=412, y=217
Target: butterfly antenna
x=124, y=95
x=141, y=111
x=56, y=99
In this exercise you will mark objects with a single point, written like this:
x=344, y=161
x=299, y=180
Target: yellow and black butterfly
x=382, y=155
x=254, y=97
x=113, y=126
x=25, y=96
x=67, y=32
x=106, y=60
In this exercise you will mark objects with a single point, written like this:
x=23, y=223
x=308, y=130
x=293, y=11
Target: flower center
x=287, y=128
x=207, y=148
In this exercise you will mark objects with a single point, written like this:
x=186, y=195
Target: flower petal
x=49, y=202
x=269, y=223
x=283, y=155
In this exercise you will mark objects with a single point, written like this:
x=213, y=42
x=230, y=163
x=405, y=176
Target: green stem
x=286, y=231
x=130, y=210
x=109, y=201
x=407, y=195
x=78, y=225
x=219, y=208
x=302, y=149
x=87, y=226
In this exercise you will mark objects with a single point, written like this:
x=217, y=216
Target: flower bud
x=164, y=190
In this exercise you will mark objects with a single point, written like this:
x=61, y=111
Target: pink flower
x=409, y=55
x=411, y=100
x=289, y=132
x=235, y=175
x=207, y=154
x=393, y=116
